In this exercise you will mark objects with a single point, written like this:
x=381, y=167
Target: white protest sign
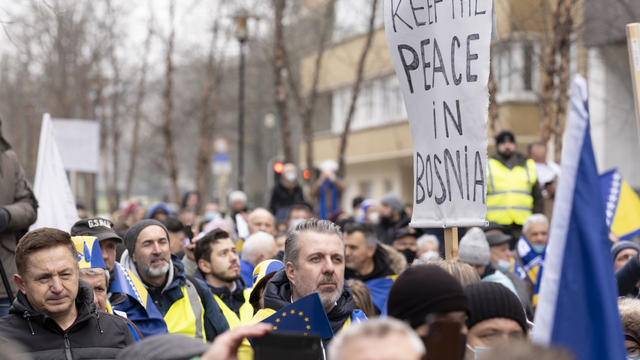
x=440, y=51
x=79, y=144
x=56, y=205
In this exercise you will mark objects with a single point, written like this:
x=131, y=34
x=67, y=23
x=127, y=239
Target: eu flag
x=304, y=316
x=577, y=307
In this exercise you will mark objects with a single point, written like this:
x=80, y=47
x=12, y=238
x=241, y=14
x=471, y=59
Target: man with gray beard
x=314, y=262
x=185, y=303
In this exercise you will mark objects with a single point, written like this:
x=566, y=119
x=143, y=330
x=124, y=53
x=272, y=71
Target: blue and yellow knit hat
x=89, y=254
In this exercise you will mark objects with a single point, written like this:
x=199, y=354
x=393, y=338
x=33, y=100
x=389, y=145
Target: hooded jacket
x=233, y=299
x=94, y=334
x=278, y=295
x=381, y=267
x=16, y=197
x=214, y=322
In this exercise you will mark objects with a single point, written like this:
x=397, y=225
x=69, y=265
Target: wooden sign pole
x=451, y=243
x=633, y=46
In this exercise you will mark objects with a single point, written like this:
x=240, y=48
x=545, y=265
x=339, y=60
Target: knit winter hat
x=621, y=245
x=488, y=300
x=474, y=248
x=393, y=201
x=504, y=136
x=425, y=289
x=131, y=236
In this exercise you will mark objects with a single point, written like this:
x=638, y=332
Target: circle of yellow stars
x=293, y=312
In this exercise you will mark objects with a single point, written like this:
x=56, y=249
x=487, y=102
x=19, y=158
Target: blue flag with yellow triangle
x=622, y=205
x=140, y=308
x=89, y=253
x=304, y=316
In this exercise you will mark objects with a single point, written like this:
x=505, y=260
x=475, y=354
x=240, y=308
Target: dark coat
x=94, y=334
x=628, y=276
x=283, y=197
x=277, y=295
x=234, y=300
x=17, y=198
x=387, y=229
x=381, y=267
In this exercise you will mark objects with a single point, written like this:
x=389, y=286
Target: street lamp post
x=241, y=35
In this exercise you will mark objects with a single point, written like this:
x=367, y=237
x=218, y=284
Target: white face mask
x=504, y=265
x=477, y=350
x=290, y=176
x=374, y=217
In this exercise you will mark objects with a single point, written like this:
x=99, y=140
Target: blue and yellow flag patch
x=622, y=205
x=89, y=253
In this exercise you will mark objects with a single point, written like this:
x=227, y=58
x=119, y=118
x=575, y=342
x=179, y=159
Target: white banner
x=57, y=207
x=440, y=51
x=79, y=144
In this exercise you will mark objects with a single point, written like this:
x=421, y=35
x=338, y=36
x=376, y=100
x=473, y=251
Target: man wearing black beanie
x=496, y=317
x=423, y=290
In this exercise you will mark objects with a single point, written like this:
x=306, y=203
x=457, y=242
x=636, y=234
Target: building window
x=380, y=102
x=516, y=69
x=364, y=188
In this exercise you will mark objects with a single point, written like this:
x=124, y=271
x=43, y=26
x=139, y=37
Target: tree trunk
x=207, y=121
x=494, y=109
x=307, y=109
x=280, y=72
x=168, y=112
x=356, y=91
x=137, y=113
x=564, y=48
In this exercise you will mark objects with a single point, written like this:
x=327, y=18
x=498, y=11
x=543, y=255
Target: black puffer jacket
x=278, y=295
x=94, y=335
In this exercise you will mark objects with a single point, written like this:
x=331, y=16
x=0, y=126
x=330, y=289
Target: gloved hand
x=5, y=217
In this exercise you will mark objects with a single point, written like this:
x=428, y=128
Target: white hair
x=534, y=220
x=375, y=329
x=96, y=272
x=261, y=211
x=259, y=243
x=237, y=196
x=428, y=239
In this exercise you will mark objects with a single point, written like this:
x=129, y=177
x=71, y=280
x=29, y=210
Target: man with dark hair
x=392, y=218
x=367, y=261
x=176, y=235
x=54, y=316
x=314, y=262
x=513, y=191
x=298, y=213
x=219, y=267
x=184, y=303
x=18, y=210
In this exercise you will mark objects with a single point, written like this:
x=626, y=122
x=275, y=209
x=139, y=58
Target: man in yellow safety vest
x=219, y=266
x=513, y=192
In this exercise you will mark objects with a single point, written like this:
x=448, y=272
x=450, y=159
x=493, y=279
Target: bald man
x=261, y=219
x=258, y=247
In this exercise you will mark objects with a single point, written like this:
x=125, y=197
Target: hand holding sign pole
x=440, y=51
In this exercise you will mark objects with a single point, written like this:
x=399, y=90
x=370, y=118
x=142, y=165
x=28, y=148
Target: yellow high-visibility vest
x=246, y=311
x=186, y=315
x=509, y=192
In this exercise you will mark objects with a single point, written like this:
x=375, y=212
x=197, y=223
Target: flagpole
x=451, y=243
x=633, y=46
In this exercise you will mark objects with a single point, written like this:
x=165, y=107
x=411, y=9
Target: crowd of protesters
x=193, y=281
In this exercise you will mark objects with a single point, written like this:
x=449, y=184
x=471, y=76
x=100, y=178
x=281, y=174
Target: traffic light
x=278, y=167
x=306, y=174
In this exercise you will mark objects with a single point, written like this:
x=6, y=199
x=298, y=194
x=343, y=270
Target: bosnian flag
x=577, y=308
